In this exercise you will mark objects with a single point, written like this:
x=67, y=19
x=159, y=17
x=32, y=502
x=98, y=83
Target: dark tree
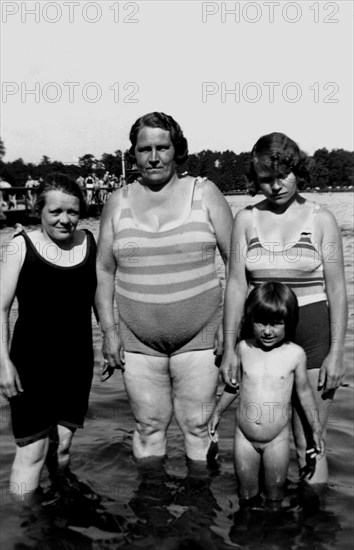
x=2, y=149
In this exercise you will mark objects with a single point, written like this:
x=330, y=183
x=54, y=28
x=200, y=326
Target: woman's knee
x=64, y=443
x=192, y=425
x=150, y=439
x=152, y=426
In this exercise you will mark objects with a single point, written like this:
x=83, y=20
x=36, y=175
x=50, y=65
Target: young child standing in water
x=269, y=366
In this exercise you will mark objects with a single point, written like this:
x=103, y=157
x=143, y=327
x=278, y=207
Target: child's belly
x=261, y=424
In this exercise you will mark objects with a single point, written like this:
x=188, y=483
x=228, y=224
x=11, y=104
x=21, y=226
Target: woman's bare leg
x=27, y=467
x=148, y=386
x=65, y=439
x=194, y=379
x=302, y=432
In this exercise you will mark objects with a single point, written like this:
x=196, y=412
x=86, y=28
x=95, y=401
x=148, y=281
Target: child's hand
x=319, y=444
x=312, y=455
x=213, y=424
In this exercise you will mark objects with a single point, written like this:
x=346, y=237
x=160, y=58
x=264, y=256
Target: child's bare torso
x=266, y=382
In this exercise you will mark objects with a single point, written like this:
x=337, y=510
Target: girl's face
x=278, y=190
x=60, y=215
x=269, y=335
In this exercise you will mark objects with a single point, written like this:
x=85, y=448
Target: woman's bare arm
x=332, y=370
x=106, y=265
x=12, y=257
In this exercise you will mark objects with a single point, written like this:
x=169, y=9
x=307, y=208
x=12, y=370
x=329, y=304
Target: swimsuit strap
x=198, y=204
x=308, y=229
x=125, y=198
x=27, y=240
x=198, y=193
x=253, y=210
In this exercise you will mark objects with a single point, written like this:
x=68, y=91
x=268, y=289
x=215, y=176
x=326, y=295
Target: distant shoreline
x=326, y=190
x=9, y=218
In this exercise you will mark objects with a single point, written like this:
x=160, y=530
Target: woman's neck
x=281, y=208
x=67, y=244
x=164, y=187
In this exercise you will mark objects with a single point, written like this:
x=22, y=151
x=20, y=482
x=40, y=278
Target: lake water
x=109, y=503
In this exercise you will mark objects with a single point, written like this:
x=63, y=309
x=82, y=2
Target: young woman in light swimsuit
x=289, y=239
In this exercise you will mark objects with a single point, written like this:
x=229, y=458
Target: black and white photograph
x=177, y=314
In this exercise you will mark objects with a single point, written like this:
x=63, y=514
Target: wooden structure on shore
x=24, y=211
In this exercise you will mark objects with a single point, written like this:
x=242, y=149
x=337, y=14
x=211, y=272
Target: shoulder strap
x=31, y=251
x=90, y=238
x=308, y=229
x=125, y=198
x=253, y=211
x=198, y=193
x=26, y=238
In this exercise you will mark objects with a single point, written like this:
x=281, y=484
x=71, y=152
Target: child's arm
x=222, y=404
x=227, y=397
x=307, y=400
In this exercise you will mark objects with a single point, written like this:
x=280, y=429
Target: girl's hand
x=218, y=341
x=312, y=455
x=228, y=368
x=319, y=444
x=10, y=383
x=213, y=423
x=113, y=353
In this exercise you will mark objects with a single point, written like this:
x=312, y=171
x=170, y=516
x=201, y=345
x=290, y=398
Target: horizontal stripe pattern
x=166, y=266
x=298, y=265
x=170, y=297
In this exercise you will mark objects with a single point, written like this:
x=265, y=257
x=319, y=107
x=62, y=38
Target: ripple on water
x=118, y=506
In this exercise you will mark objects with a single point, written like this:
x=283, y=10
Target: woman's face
x=154, y=154
x=280, y=190
x=60, y=215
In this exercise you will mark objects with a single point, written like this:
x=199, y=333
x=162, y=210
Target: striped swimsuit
x=168, y=293
x=298, y=265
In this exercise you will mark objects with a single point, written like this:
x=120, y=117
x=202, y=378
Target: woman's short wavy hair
x=165, y=122
x=276, y=155
x=58, y=182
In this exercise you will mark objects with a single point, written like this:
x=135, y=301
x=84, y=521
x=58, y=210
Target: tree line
x=228, y=170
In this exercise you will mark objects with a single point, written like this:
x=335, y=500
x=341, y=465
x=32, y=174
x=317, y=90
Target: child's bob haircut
x=271, y=303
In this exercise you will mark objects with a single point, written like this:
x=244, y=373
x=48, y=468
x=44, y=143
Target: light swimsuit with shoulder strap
x=298, y=264
x=168, y=293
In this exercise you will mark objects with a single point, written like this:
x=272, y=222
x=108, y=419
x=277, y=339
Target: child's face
x=269, y=335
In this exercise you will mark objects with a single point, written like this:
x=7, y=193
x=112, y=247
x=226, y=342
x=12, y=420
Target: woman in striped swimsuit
x=289, y=239
x=156, y=251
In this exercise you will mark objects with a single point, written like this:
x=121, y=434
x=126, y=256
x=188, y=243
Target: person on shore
x=269, y=365
x=159, y=236
x=289, y=239
x=47, y=374
x=7, y=199
x=89, y=186
x=81, y=183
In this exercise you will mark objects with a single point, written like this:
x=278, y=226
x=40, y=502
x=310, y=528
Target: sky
x=76, y=75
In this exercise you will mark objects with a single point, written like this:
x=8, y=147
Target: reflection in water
x=168, y=512
x=70, y=515
x=175, y=513
x=299, y=525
